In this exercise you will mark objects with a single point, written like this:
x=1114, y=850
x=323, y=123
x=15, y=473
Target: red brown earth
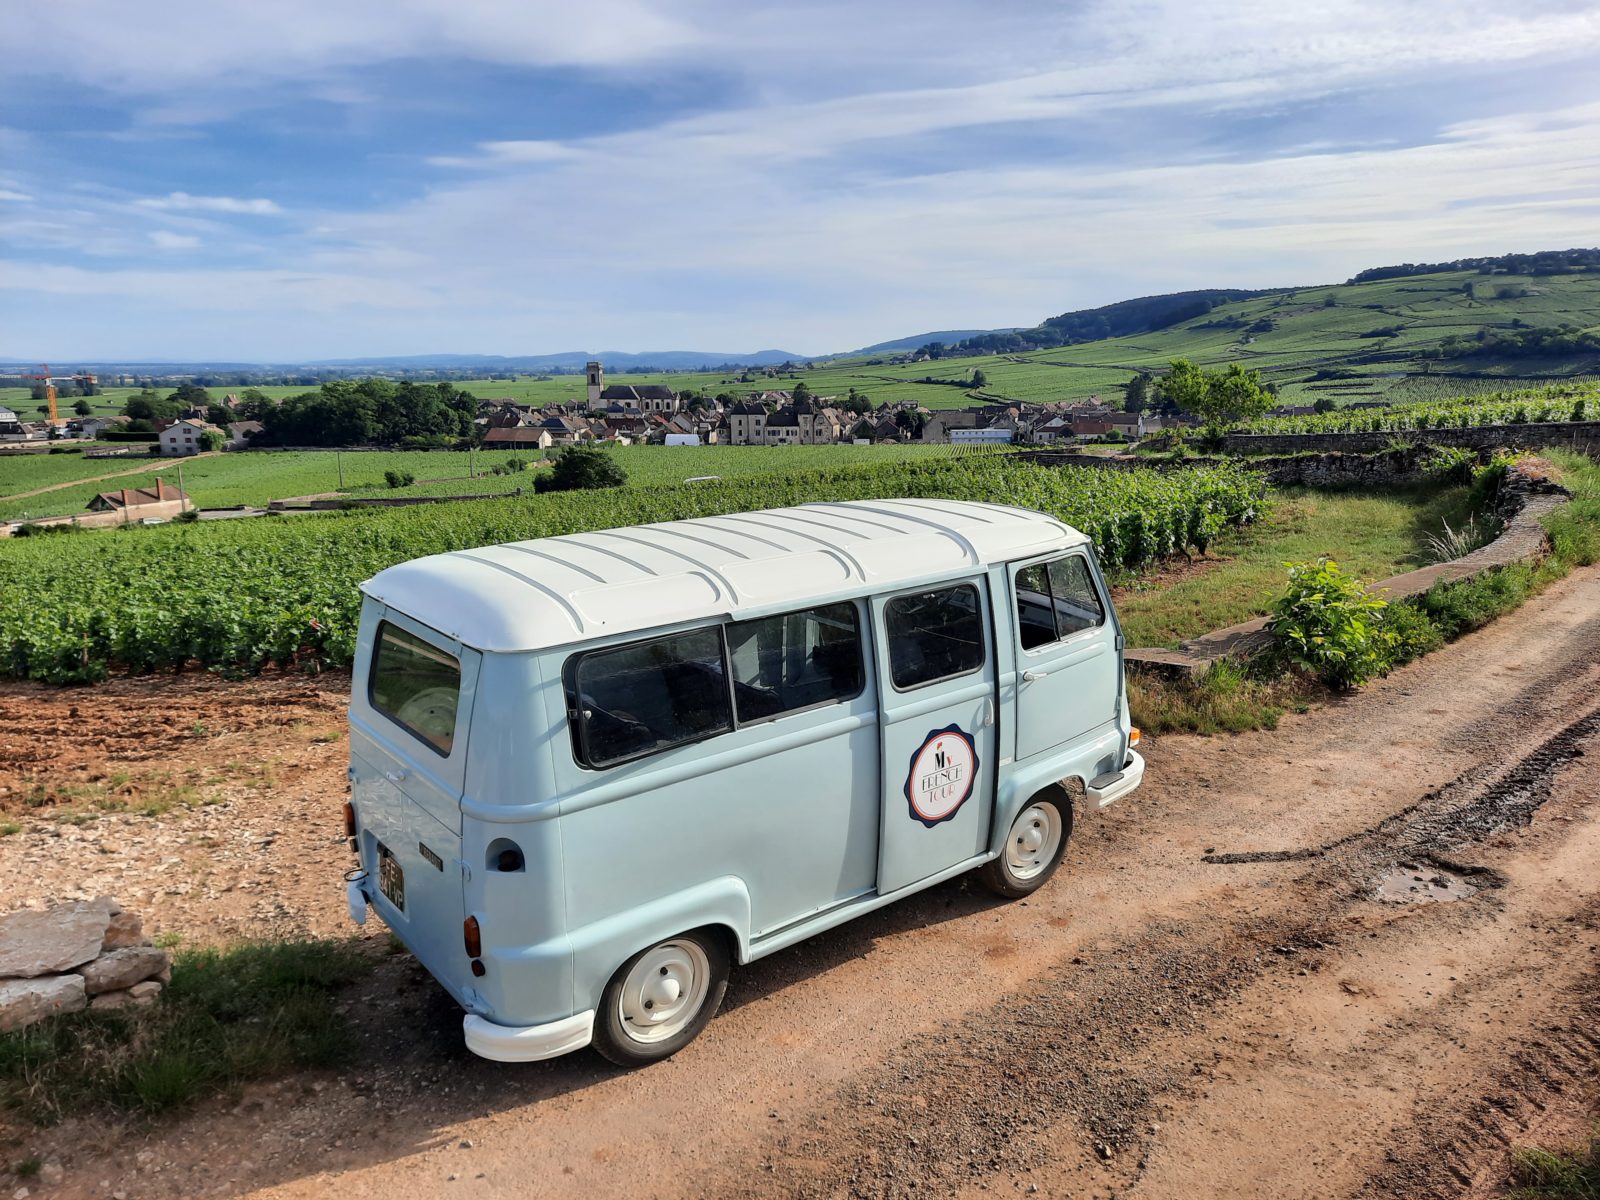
x=1206, y=1001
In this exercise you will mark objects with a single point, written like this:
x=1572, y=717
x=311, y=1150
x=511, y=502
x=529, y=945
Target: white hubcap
x=664, y=991
x=1035, y=838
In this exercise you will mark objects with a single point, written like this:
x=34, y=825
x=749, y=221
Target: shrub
x=580, y=468
x=399, y=479
x=1328, y=624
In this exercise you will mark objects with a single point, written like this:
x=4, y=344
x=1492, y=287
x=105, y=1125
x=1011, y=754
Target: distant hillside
x=899, y=345
x=1390, y=334
x=574, y=360
x=1141, y=315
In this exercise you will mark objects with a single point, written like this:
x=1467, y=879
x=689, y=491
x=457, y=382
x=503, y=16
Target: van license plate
x=391, y=878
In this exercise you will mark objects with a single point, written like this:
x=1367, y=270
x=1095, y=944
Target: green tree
x=211, y=439
x=83, y=408
x=581, y=467
x=802, y=391
x=1136, y=392
x=978, y=378
x=1219, y=398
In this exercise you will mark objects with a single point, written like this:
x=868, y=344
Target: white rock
x=110, y=1000
x=124, y=968
x=24, y=1001
x=35, y=942
x=144, y=993
x=51, y=1172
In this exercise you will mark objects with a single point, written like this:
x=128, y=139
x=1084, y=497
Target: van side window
x=416, y=685
x=634, y=700
x=1056, y=600
x=934, y=635
x=794, y=661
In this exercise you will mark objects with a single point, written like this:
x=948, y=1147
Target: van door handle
x=395, y=776
x=1031, y=676
x=988, y=713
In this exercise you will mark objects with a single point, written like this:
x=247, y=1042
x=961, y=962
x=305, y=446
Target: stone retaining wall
x=1388, y=466
x=69, y=957
x=1575, y=435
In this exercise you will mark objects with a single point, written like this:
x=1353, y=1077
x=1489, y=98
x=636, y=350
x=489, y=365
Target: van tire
x=1033, y=847
x=695, y=963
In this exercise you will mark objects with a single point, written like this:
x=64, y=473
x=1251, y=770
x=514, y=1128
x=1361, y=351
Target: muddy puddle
x=1422, y=883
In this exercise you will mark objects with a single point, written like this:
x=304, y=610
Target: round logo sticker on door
x=943, y=771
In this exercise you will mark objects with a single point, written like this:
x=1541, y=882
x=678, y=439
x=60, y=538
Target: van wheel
x=1034, y=846
x=661, y=998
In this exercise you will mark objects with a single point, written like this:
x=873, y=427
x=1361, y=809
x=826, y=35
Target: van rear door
x=411, y=698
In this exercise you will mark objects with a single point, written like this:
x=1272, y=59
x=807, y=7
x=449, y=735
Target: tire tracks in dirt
x=953, y=1108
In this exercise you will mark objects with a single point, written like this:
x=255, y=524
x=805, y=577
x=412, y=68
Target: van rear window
x=416, y=685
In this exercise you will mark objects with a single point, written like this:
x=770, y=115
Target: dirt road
x=1209, y=1000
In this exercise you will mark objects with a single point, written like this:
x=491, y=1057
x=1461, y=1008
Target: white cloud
x=166, y=240
x=183, y=202
x=132, y=49
x=8, y=194
x=667, y=262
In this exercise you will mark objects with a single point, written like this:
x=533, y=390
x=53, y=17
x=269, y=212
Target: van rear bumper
x=1109, y=788
x=527, y=1043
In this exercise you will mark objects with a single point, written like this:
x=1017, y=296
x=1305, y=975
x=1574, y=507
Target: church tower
x=597, y=381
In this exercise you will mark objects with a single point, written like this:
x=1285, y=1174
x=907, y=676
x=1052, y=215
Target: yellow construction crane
x=42, y=375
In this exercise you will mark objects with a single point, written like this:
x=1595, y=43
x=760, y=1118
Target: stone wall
x=1405, y=464
x=69, y=957
x=1576, y=435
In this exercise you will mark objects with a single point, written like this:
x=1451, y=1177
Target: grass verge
x=229, y=1016
x=1233, y=698
x=1573, y=1174
x=1375, y=535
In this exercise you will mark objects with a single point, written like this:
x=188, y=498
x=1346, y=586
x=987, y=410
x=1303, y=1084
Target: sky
x=227, y=180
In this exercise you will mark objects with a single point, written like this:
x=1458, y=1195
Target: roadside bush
x=399, y=479
x=1329, y=625
x=1411, y=631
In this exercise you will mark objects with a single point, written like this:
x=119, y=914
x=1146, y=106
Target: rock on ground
x=24, y=1001
x=46, y=941
x=123, y=968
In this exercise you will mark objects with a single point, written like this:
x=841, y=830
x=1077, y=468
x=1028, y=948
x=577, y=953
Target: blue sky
x=211, y=179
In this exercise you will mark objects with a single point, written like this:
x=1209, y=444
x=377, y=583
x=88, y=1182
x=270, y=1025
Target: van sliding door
x=938, y=728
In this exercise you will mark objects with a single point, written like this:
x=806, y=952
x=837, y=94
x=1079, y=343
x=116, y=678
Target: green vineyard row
x=238, y=596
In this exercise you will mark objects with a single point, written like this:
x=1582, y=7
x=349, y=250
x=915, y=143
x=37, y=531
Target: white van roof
x=558, y=590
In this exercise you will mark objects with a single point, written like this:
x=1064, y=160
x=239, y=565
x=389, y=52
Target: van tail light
x=1133, y=736
x=471, y=935
x=349, y=819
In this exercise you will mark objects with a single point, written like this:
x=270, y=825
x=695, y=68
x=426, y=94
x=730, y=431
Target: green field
x=256, y=477
x=238, y=595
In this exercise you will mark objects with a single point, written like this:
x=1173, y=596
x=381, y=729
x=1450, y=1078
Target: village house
x=162, y=500
x=185, y=437
x=240, y=433
x=93, y=427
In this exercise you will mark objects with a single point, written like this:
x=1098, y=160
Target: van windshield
x=416, y=685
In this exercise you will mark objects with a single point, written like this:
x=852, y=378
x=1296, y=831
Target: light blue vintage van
x=590, y=773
